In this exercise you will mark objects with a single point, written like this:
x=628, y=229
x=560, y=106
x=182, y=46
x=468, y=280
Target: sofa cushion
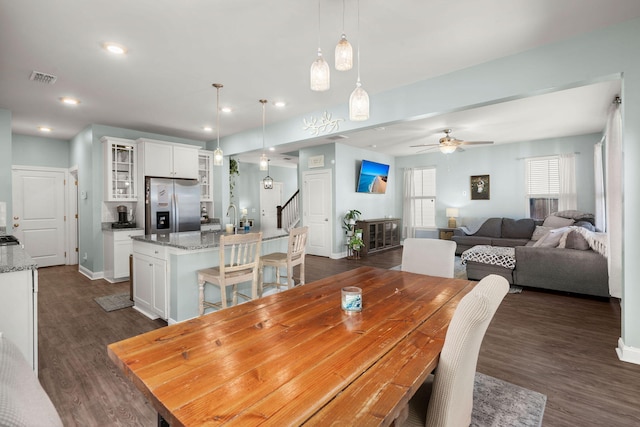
x=520, y=229
x=491, y=228
x=509, y=243
x=575, y=240
x=557, y=222
x=539, y=232
x=576, y=216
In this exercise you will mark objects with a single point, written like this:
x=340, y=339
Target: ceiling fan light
x=448, y=149
x=344, y=54
x=320, y=74
x=358, y=104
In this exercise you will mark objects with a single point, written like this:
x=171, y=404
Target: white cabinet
x=19, y=311
x=168, y=160
x=205, y=165
x=117, y=248
x=120, y=170
x=150, y=290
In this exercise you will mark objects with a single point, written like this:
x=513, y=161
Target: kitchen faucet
x=235, y=216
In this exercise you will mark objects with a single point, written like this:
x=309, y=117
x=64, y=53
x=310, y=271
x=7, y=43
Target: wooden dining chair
x=296, y=251
x=239, y=261
x=445, y=399
x=434, y=257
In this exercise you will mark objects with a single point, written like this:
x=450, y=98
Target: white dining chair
x=445, y=399
x=434, y=257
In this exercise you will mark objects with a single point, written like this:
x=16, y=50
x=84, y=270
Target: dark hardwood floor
x=560, y=345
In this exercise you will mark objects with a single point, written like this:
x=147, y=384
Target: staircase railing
x=289, y=213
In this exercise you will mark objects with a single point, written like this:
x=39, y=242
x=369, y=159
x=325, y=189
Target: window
x=543, y=186
x=423, y=198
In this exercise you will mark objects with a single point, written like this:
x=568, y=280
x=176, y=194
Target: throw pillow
x=577, y=241
x=550, y=240
x=557, y=222
x=585, y=224
x=520, y=229
x=539, y=232
x=576, y=215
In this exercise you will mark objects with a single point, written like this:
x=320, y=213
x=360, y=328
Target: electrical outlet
x=84, y=257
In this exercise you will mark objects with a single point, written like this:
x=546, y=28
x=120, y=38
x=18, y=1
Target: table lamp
x=452, y=214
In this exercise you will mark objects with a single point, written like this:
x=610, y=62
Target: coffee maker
x=123, y=218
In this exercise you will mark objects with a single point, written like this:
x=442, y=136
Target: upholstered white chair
x=434, y=257
x=446, y=398
x=296, y=252
x=239, y=266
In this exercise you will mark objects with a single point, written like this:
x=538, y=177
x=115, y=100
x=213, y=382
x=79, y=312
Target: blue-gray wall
x=40, y=151
x=5, y=163
x=506, y=166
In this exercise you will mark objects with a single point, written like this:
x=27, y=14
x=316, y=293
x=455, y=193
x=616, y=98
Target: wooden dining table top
x=296, y=357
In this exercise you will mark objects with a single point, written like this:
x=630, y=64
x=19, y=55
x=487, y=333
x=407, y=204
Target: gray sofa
x=575, y=268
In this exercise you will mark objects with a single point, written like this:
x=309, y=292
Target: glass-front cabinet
x=205, y=164
x=120, y=176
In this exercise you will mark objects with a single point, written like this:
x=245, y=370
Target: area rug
x=498, y=403
x=114, y=302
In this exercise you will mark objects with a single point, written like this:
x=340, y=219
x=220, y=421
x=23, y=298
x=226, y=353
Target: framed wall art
x=480, y=187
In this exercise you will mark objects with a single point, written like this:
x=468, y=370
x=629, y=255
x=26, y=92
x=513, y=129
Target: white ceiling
x=261, y=49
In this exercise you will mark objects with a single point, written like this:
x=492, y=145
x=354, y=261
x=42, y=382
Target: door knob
x=16, y=225
x=15, y=218
x=326, y=219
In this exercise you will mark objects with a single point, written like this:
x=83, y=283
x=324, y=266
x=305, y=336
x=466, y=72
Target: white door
x=317, y=208
x=269, y=202
x=39, y=214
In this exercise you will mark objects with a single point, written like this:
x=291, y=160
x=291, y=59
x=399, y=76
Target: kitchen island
x=19, y=301
x=165, y=282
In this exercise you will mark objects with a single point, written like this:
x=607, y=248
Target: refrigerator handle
x=176, y=214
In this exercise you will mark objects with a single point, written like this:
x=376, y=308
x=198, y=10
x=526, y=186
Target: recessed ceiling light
x=69, y=101
x=272, y=149
x=280, y=104
x=44, y=129
x=115, y=48
x=226, y=109
x=208, y=129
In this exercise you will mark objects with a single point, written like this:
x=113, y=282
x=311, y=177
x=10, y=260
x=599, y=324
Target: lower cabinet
x=379, y=234
x=150, y=290
x=117, y=248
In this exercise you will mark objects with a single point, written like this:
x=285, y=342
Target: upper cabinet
x=120, y=166
x=168, y=160
x=205, y=165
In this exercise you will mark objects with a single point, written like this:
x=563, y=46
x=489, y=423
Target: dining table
x=297, y=357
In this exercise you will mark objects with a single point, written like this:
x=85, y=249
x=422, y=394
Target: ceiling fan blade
x=424, y=145
x=475, y=142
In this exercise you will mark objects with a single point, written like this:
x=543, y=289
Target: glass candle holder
x=352, y=299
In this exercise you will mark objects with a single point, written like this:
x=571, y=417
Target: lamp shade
x=448, y=149
x=359, y=104
x=452, y=212
x=320, y=74
x=344, y=55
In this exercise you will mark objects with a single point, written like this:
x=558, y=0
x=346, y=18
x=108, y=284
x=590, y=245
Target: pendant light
x=217, y=154
x=359, y=99
x=264, y=162
x=344, y=51
x=320, y=73
x=267, y=182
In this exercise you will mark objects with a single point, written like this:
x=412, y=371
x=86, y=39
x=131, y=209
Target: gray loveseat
x=575, y=267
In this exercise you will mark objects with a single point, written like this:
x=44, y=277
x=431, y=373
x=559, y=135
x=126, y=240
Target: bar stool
x=242, y=266
x=296, y=251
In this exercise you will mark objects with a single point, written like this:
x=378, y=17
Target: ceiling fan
x=448, y=144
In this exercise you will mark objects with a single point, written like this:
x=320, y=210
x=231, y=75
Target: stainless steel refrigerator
x=171, y=205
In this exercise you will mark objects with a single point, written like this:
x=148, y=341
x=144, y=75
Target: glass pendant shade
x=358, y=104
x=217, y=157
x=448, y=149
x=344, y=54
x=264, y=162
x=320, y=74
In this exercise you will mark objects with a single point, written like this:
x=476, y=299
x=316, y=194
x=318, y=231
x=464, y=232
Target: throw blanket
x=596, y=241
x=472, y=226
x=494, y=255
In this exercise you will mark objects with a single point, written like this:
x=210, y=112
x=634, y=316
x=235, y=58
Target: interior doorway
x=317, y=211
x=269, y=201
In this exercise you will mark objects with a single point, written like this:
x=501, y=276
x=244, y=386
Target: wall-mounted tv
x=373, y=177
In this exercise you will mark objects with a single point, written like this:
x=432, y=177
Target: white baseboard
x=90, y=274
x=628, y=354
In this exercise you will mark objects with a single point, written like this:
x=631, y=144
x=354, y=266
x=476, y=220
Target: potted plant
x=349, y=220
x=233, y=172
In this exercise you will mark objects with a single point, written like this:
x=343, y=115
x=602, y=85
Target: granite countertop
x=14, y=258
x=193, y=240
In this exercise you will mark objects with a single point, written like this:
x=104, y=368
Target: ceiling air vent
x=45, y=78
x=337, y=137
